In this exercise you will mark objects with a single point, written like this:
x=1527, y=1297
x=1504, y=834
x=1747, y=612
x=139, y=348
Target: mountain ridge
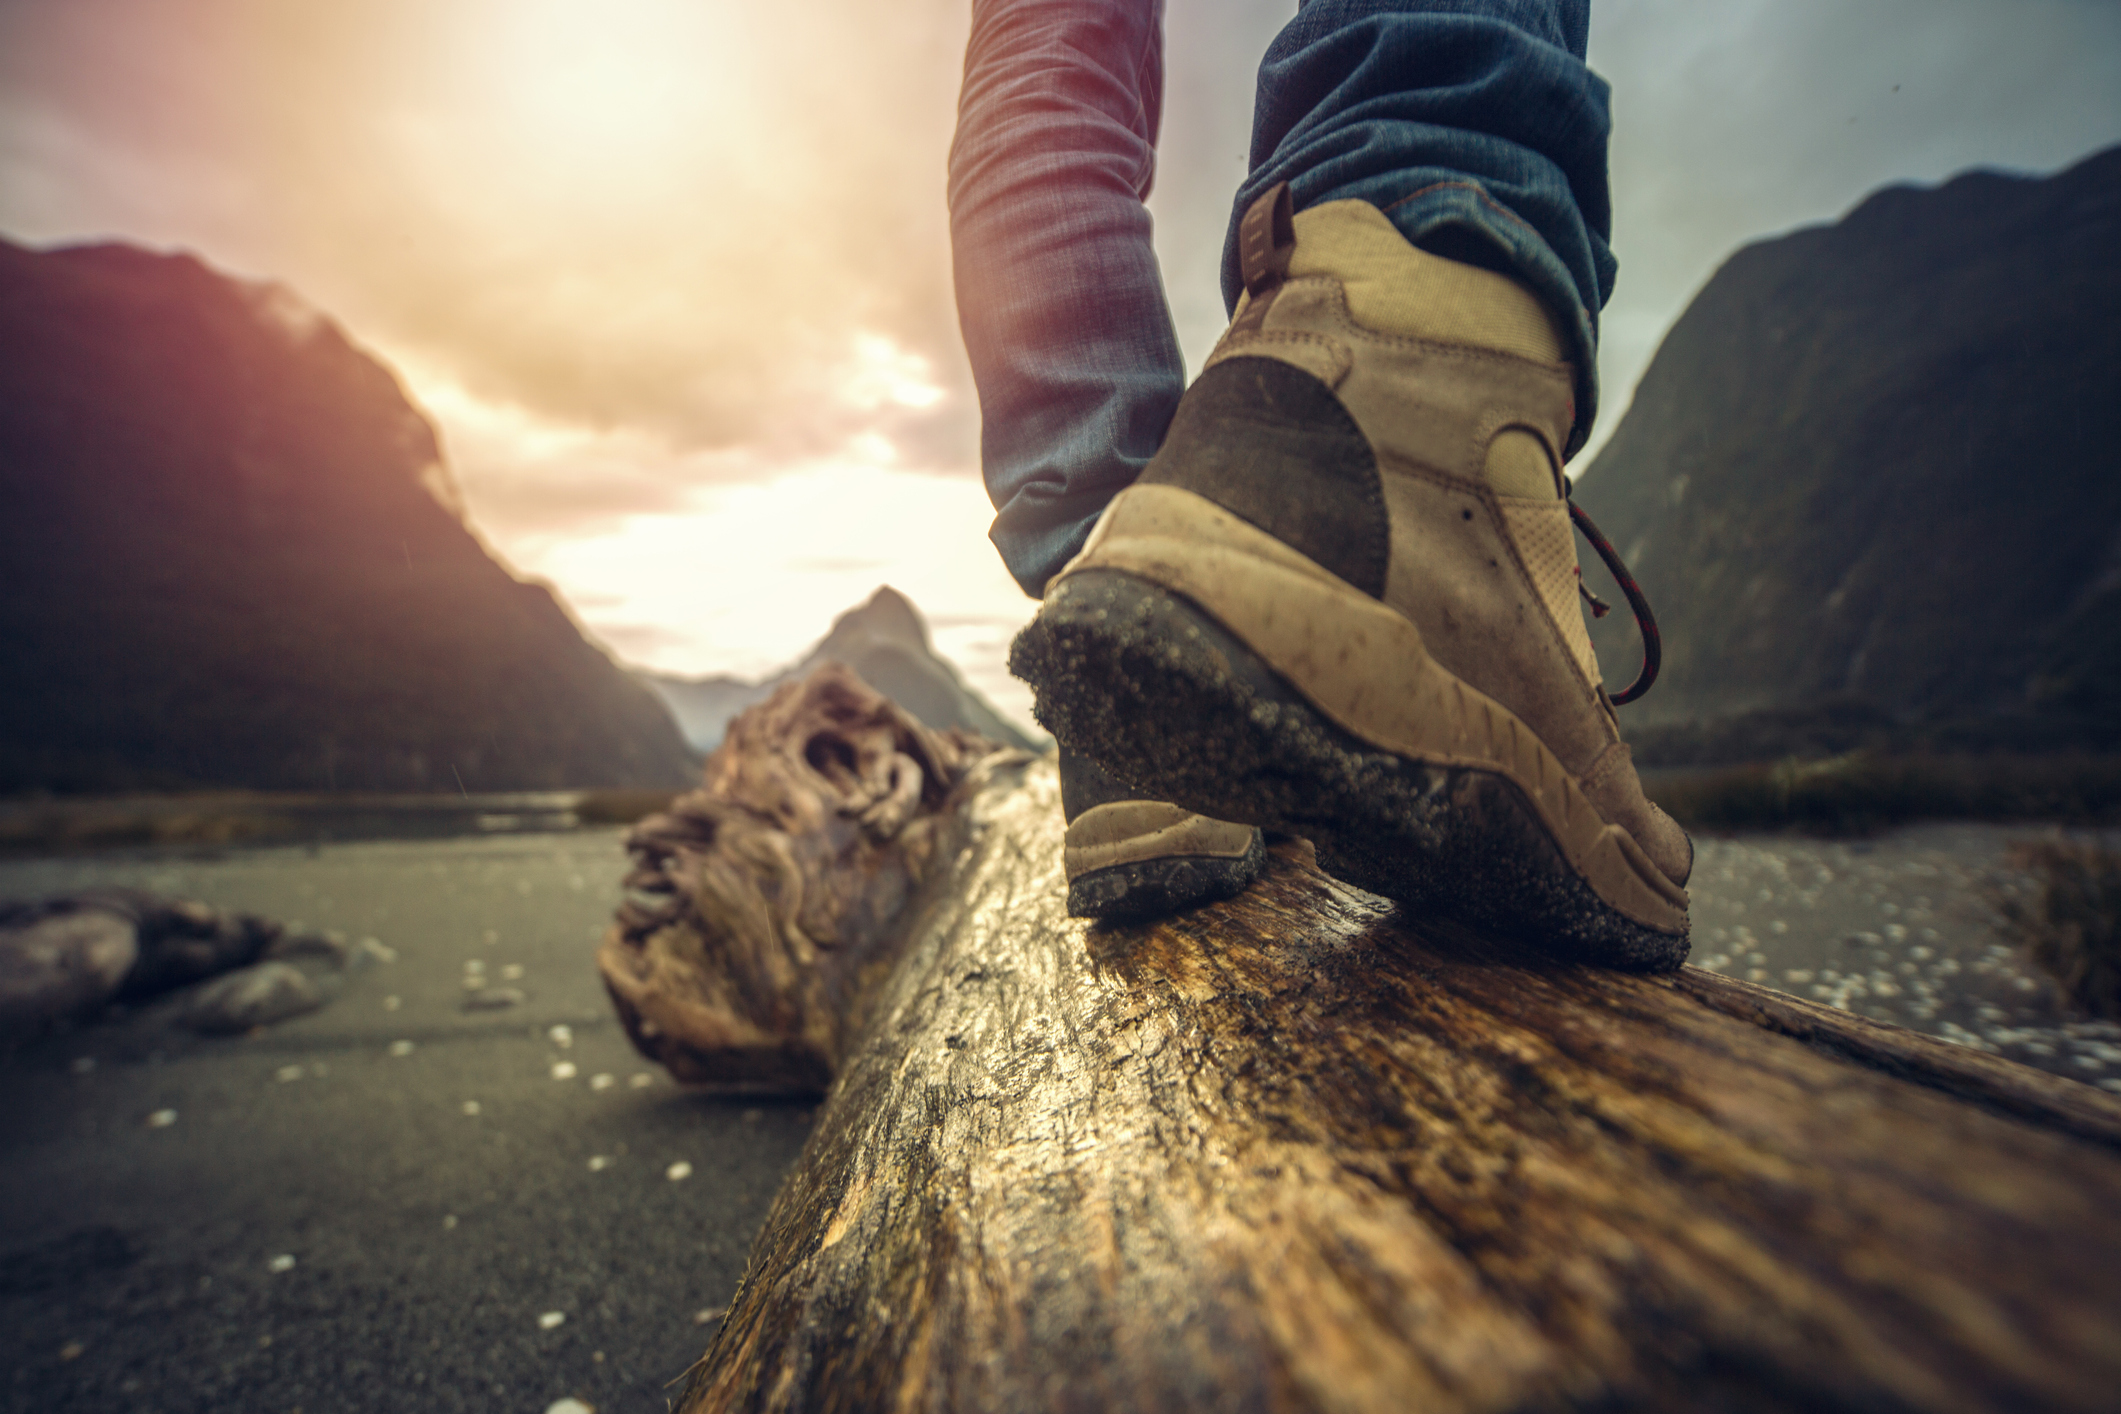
x=1866, y=489
x=231, y=556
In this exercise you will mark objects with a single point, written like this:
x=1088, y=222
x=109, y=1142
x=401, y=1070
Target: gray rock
x=259, y=995
x=494, y=999
x=60, y=966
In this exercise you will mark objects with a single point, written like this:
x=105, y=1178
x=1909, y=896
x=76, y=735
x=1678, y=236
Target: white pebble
x=161, y=1119
x=474, y=965
x=678, y=1170
x=513, y=972
x=401, y=1048
x=603, y=1080
x=570, y=1405
x=707, y=1315
x=288, y=1072
x=550, y=1319
x=563, y=1070
x=1778, y=926
x=285, y=1262
x=471, y=1107
x=392, y=1003
x=641, y=1080
x=1797, y=974
x=449, y=1222
x=562, y=1036
x=599, y=1162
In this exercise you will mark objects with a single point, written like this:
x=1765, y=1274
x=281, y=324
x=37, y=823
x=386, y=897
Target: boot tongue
x=1395, y=287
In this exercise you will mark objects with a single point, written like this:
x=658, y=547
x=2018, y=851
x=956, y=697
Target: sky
x=672, y=276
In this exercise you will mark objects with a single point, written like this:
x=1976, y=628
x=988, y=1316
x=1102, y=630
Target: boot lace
x=1652, y=642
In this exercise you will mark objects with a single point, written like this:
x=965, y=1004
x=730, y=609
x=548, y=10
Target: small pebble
x=161, y=1119
x=401, y=1048
x=71, y=1350
x=285, y=1262
x=603, y=1080
x=474, y=966
x=551, y=1319
x=707, y=1315
x=641, y=1080
x=570, y=1405
x=562, y=1036
x=599, y=1162
x=471, y=1107
x=392, y=1003
x=512, y=972
x=563, y=1070
x=449, y=1222
x=288, y=1072
x=678, y=1170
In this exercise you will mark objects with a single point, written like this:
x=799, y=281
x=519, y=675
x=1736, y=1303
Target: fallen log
x=1305, y=1150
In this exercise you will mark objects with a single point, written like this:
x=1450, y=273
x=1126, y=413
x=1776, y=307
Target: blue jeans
x=1473, y=124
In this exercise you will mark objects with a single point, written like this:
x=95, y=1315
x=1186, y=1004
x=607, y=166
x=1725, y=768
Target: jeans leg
x=1475, y=125
x=1058, y=291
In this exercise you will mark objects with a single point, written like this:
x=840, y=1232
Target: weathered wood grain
x=763, y=908
x=1301, y=1150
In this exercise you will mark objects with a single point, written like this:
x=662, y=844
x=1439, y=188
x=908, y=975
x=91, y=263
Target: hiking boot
x=1128, y=857
x=1343, y=601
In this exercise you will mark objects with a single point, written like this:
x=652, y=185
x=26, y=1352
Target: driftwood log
x=1304, y=1150
x=764, y=907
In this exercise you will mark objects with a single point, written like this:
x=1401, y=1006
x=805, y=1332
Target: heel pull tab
x=1266, y=238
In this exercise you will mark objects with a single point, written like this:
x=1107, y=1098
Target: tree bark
x=1305, y=1150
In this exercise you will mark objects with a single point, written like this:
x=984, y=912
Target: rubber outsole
x=1144, y=679
x=1152, y=888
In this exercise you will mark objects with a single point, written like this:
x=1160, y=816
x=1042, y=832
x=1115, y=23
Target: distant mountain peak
x=887, y=616
x=885, y=640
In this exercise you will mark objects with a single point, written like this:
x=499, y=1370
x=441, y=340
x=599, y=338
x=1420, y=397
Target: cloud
x=1747, y=118
x=684, y=219
x=673, y=276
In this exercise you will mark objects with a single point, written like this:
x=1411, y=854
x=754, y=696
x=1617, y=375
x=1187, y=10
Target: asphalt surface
x=396, y=1204
x=383, y=1205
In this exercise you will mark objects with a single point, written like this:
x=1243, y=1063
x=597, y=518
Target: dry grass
x=621, y=807
x=1861, y=794
x=2069, y=922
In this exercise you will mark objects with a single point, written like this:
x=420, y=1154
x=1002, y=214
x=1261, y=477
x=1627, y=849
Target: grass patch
x=1858, y=793
x=621, y=807
x=2069, y=922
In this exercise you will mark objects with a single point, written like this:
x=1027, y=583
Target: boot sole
x=1445, y=802
x=1152, y=888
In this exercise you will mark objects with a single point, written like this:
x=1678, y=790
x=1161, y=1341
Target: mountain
x=886, y=642
x=1871, y=487
x=231, y=556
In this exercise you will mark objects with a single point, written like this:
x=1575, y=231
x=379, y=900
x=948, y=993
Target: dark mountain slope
x=226, y=560
x=1871, y=476
x=884, y=640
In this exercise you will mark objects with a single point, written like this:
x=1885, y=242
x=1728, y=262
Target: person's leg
x=1058, y=291
x=1342, y=599
x=1077, y=365
x=1474, y=125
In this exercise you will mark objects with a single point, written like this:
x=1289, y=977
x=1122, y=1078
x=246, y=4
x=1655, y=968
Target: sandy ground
x=394, y=1204
x=386, y=1204
x=1901, y=929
